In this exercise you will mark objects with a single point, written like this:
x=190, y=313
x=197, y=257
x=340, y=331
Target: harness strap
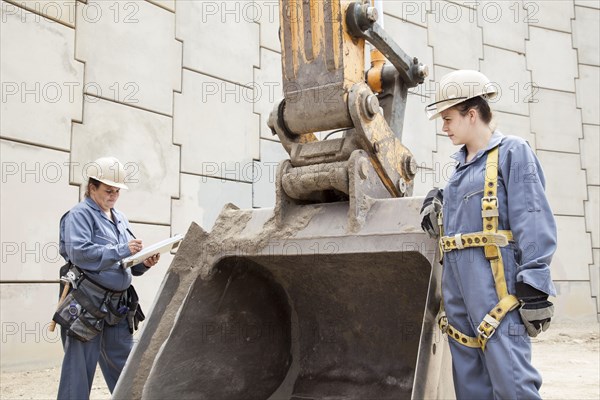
x=491, y=239
x=492, y=319
x=455, y=333
x=486, y=328
x=476, y=239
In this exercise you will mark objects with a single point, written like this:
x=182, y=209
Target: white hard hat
x=459, y=86
x=109, y=171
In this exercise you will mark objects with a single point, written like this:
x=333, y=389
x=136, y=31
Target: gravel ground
x=567, y=356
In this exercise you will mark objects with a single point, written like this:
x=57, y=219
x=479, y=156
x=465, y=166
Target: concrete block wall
x=181, y=91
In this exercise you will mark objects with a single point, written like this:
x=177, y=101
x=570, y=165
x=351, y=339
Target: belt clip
x=489, y=198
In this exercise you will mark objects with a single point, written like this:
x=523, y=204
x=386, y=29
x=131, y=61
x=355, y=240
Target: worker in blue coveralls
x=498, y=236
x=94, y=236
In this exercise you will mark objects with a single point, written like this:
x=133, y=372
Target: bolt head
x=409, y=166
x=401, y=186
x=372, y=14
x=372, y=104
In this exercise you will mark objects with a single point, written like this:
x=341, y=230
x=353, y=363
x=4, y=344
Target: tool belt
x=89, y=306
x=491, y=239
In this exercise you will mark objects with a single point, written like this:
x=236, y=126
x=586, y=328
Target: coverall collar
x=461, y=155
x=90, y=202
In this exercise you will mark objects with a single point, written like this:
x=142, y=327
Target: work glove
x=135, y=313
x=432, y=206
x=536, y=311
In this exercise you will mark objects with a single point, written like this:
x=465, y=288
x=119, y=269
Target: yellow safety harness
x=491, y=239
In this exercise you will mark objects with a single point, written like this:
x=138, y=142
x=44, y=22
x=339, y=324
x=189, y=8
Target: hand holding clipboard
x=157, y=248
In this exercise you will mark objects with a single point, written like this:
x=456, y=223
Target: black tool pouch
x=86, y=309
x=135, y=313
x=117, y=309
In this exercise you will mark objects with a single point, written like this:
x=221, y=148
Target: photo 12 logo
x=54, y=172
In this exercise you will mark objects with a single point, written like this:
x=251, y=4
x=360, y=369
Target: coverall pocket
x=467, y=196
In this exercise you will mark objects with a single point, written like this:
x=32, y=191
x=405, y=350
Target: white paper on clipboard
x=160, y=247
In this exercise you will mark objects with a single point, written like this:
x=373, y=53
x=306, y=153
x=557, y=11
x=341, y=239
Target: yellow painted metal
x=353, y=53
x=374, y=74
x=322, y=52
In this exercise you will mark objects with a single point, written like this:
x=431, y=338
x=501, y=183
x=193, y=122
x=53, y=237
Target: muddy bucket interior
x=298, y=327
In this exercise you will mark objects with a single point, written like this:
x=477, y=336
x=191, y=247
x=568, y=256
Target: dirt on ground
x=567, y=356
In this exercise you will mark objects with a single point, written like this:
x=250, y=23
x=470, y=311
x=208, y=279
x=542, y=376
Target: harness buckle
x=443, y=323
x=484, y=336
x=489, y=198
x=492, y=323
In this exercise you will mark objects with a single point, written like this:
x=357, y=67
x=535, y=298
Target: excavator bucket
x=299, y=309
x=334, y=292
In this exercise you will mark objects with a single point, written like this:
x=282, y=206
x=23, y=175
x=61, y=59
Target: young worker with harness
x=498, y=236
x=100, y=313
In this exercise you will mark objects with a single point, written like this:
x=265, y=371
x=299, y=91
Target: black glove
x=536, y=311
x=134, y=314
x=432, y=206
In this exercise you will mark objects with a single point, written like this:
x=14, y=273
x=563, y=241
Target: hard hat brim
x=435, y=109
x=111, y=183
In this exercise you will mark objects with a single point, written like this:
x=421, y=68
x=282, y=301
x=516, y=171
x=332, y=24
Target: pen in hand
x=135, y=245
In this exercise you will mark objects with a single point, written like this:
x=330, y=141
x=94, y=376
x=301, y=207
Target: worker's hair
x=91, y=182
x=479, y=104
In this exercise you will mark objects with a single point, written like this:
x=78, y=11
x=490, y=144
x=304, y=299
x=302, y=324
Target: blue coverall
x=503, y=370
x=90, y=240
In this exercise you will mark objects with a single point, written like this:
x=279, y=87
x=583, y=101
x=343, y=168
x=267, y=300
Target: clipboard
x=157, y=248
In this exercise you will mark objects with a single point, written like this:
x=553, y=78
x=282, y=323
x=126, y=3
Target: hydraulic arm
x=325, y=88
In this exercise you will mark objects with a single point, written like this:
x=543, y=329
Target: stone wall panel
x=142, y=141
x=592, y=214
x=588, y=95
x=268, y=89
x=574, y=252
x=26, y=311
x=203, y=198
x=517, y=125
x=586, y=35
x=555, y=69
x=508, y=70
x=554, y=14
x=38, y=104
x=504, y=24
x=556, y=121
x=118, y=42
x=220, y=38
x=35, y=194
x=265, y=172
x=449, y=29
x=565, y=182
x=589, y=153
x=213, y=143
